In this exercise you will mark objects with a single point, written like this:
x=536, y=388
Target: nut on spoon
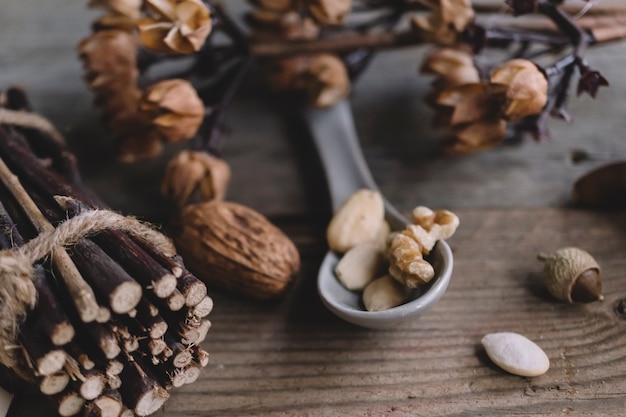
x=335, y=137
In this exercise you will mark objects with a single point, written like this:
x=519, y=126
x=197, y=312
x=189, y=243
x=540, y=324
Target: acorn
x=572, y=275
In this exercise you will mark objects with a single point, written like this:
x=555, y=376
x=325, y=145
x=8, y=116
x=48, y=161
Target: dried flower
x=473, y=113
x=473, y=102
x=322, y=77
x=174, y=108
x=446, y=21
x=472, y=137
x=452, y=67
x=109, y=59
x=590, y=81
x=136, y=140
x=326, y=80
x=181, y=26
x=527, y=91
x=330, y=12
x=193, y=177
x=128, y=8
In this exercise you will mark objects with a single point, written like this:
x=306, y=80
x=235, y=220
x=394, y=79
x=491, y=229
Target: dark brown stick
x=114, y=381
x=48, y=359
x=110, y=281
x=68, y=403
x=200, y=356
x=54, y=383
x=146, y=270
x=192, y=373
x=176, y=301
x=53, y=319
x=192, y=288
x=141, y=391
x=203, y=308
x=89, y=384
x=76, y=352
x=181, y=354
x=108, y=404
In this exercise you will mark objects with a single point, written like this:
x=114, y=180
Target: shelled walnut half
x=387, y=266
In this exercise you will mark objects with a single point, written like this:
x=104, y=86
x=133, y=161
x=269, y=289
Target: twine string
x=30, y=120
x=17, y=290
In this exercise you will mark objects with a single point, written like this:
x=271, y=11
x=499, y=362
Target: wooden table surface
x=293, y=358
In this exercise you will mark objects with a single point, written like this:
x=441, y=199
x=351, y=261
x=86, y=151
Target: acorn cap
x=563, y=267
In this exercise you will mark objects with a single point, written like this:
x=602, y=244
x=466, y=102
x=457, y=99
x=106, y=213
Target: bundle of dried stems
x=115, y=320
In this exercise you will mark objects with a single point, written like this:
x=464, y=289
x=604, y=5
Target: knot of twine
x=17, y=290
x=30, y=120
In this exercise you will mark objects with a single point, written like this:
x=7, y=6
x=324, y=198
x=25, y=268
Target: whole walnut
x=235, y=248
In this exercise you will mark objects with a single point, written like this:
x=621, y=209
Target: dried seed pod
x=236, y=248
x=572, y=275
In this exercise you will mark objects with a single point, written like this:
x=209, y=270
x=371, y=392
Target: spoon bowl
x=334, y=134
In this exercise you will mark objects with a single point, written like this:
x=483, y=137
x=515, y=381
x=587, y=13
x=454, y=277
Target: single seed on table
x=516, y=354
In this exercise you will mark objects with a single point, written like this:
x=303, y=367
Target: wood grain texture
x=295, y=359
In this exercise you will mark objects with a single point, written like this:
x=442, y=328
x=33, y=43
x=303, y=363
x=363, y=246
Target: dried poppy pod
x=572, y=275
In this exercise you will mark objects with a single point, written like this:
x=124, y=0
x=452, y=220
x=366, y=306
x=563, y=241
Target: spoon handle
x=335, y=137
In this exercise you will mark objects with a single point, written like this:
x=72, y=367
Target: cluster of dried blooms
x=142, y=119
x=143, y=115
x=321, y=77
x=476, y=105
x=476, y=111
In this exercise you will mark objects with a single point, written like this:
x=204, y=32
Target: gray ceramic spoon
x=335, y=137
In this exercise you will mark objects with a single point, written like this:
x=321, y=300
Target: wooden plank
x=297, y=359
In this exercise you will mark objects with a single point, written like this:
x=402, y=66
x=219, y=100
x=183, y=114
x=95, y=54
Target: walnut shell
x=233, y=247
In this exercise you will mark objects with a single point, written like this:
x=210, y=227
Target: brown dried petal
x=446, y=21
x=174, y=108
x=193, y=177
x=330, y=12
x=527, y=91
x=136, y=141
x=181, y=27
x=473, y=102
x=152, y=34
x=477, y=136
x=118, y=102
x=109, y=52
x=458, y=13
x=327, y=80
x=452, y=67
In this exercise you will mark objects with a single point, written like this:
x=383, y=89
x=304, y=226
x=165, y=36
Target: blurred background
x=38, y=51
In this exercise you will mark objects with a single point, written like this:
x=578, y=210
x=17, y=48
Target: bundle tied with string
x=17, y=292
x=96, y=309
